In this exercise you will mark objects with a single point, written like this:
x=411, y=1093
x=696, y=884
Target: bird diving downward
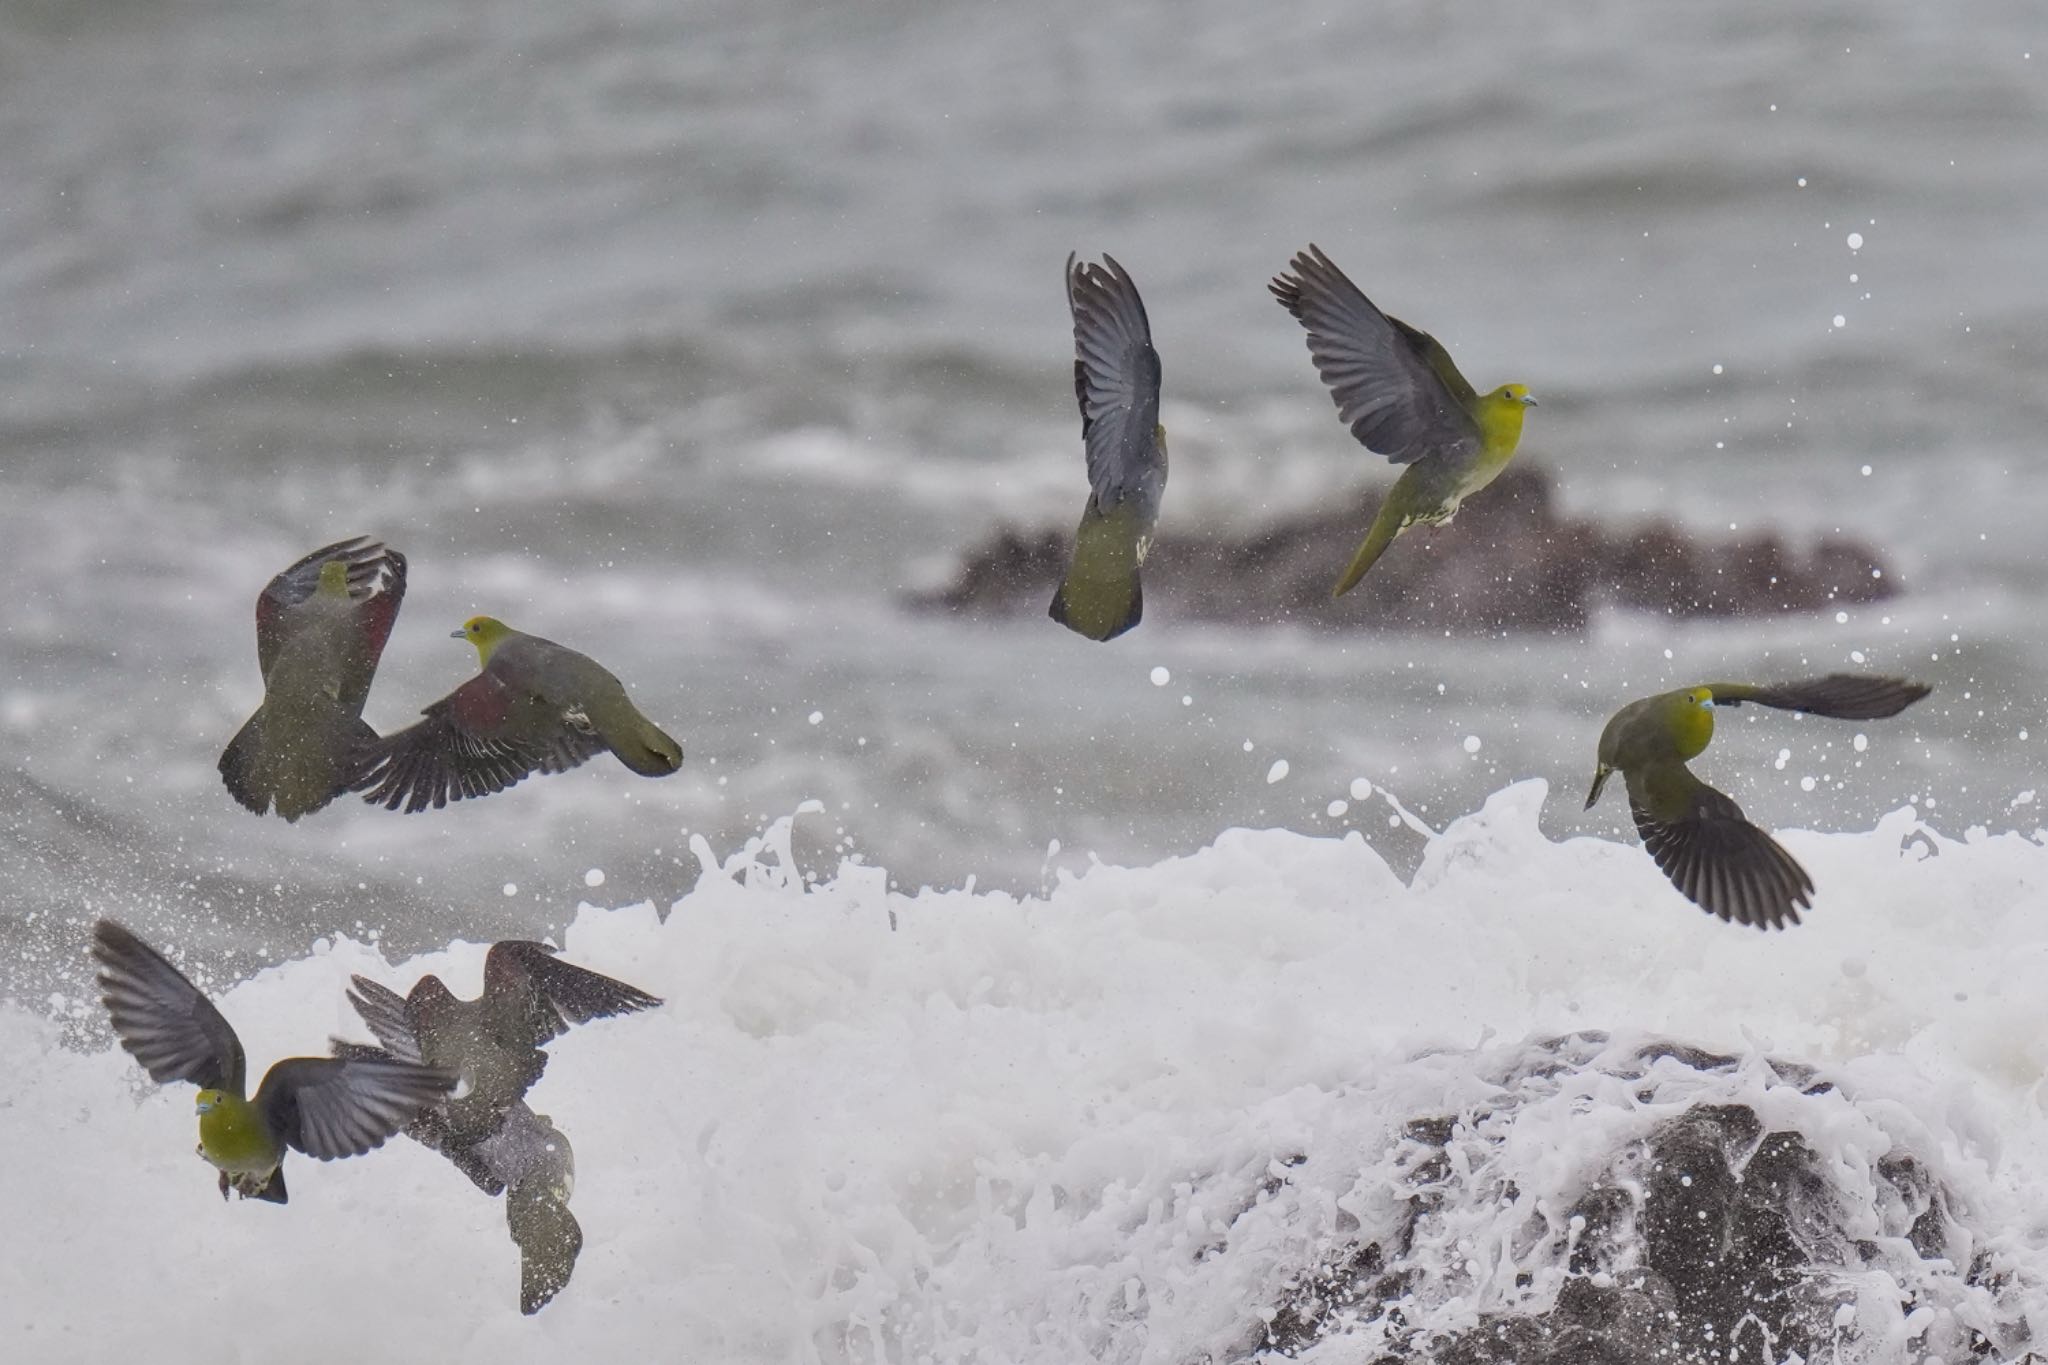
x=1398, y=391
x=1116, y=379
x=493, y=1044
x=1698, y=836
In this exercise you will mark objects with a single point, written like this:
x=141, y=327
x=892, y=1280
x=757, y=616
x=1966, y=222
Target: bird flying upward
x=1699, y=836
x=321, y=626
x=535, y=706
x=322, y=1106
x=1398, y=391
x=1116, y=379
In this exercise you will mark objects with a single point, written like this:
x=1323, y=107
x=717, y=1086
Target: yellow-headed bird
x=320, y=630
x=493, y=1045
x=1398, y=391
x=1723, y=863
x=323, y=1106
x=536, y=706
x=1116, y=378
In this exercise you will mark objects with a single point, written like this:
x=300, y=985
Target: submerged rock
x=1633, y=1203
x=1510, y=561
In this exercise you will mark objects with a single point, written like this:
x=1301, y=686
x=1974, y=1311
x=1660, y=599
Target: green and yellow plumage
x=1116, y=381
x=321, y=626
x=1698, y=836
x=234, y=1137
x=534, y=706
x=1396, y=388
x=323, y=1106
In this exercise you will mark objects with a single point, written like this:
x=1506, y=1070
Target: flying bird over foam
x=1398, y=391
x=321, y=626
x=1699, y=836
x=322, y=1106
x=536, y=706
x=492, y=1044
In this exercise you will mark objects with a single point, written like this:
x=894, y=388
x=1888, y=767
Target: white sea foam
x=959, y=1125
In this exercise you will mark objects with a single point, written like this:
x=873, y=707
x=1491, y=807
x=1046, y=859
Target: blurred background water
x=697, y=335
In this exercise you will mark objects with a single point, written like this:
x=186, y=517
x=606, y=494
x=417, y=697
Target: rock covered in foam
x=1742, y=1208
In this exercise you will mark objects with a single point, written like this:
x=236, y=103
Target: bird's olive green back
x=1438, y=359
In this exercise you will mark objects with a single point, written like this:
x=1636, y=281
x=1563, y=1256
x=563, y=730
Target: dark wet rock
x=1510, y=561
x=1707, y=1233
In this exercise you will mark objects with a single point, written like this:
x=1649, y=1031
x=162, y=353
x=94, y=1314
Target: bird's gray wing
x=329, y=1107
x=383, y=1012
x=164, y=1020
x=1116, y=379
x=464, y=747
x=1839, y=696
x=373, y=572
x=532, y=995
x=1724, y=864
x=1394, y=386
x=430, y=1127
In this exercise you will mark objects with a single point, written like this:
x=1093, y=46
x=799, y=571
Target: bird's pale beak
x=1529, y=400
x=205, y=1106
x=458, y=635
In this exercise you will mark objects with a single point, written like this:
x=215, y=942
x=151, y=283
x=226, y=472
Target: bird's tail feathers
x=549, y=1240
x=238, y=765
x=296, y=773
x=1098, y=611
x=274, y=1192
x=1101, y=596
x=1385, y=526
x=647, y=749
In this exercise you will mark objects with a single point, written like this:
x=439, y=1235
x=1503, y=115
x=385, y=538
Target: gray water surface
x=696, y=336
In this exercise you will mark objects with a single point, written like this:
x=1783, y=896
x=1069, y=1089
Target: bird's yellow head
x=334, y=578
x=208, y=1101
x=485, y=632
x=1692, y=725
x=1500, y=415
